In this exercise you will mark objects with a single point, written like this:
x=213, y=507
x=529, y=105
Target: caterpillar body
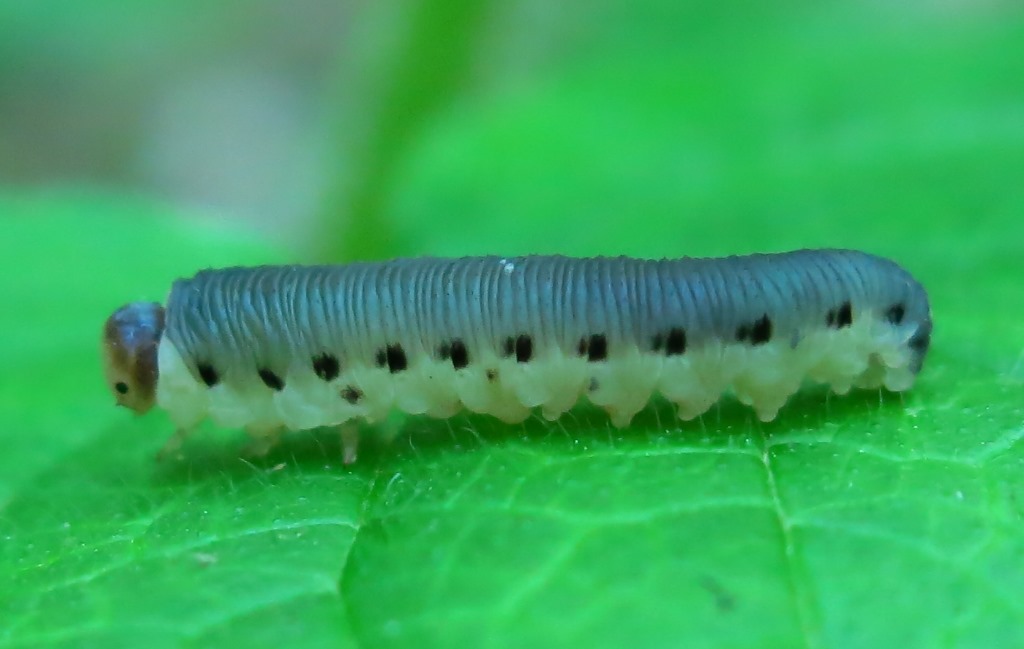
x=298, y=347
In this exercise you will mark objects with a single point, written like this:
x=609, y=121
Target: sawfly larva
x=297, y=347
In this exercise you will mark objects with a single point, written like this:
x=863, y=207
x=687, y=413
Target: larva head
x=130, y=339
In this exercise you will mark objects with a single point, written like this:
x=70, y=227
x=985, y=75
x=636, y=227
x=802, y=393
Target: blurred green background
x=141, y=141
x=371, y=129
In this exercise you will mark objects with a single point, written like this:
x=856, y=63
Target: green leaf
x=873, y=520
x=870, y=520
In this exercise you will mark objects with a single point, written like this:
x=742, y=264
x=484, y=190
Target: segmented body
x=300, y=347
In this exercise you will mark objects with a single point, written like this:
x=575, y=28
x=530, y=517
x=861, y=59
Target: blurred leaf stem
x=411, y=80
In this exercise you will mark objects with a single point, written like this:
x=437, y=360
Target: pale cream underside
x=868, y=354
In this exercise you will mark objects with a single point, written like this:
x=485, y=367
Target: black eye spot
x=382, y=358
x=271, y=380
x=758, y=332
x=352, y=394
x=395, y=357
x=326, y=366
x=597, y=348
x=121, y=387
x=509, y=347
x=896, y=313
x=492, y=375
x=581, y=347
x=460, y=355
x=840, y=317
x=675, y=343
x=593, y=385
x=207, y=374
x=444, y=351
x=524, y=348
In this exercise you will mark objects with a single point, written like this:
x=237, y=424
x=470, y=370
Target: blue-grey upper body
x=232, y=323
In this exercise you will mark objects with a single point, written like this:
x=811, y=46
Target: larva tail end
x=919, y=344
x=130, y=339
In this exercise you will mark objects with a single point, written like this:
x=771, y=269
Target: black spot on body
x=840, y=317
x=675, y=342
x=395, y=357
x=121, y=387
x=761, y=331
x=524, y=348
x=492, y=375
x=382, y=357
x=845, y=315
x=326, y=366
x=921, y=339
x=208, y=374
x=444, y=351
x=757, y=332
x=271, y=380
x=896, y=313
x=919, y=343
x=509, y=347
x=581, y=347
x=457, y=352
x=352, y=394
x=460, y=355
x=597, y=348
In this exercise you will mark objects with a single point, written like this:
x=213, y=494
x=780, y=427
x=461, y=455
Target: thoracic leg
x=173, y=444
x=262, y=440
x=349, y=432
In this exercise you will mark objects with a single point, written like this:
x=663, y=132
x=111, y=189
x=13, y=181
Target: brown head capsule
x=130, y=339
